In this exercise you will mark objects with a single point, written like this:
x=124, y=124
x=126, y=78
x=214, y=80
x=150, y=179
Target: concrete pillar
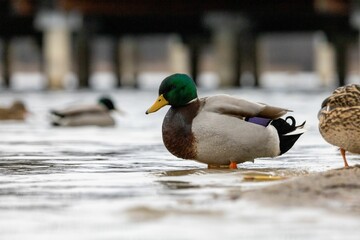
x=226, y=53
x=324, y=60
x=178, y=57
x=128, y=57
x=227, y=29
x=248, y=59
x=57, y=56
x=57, y=27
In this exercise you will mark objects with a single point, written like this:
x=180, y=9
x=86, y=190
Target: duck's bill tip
x=159, y=103
x=150, y=110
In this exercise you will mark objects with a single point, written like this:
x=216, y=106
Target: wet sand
x=335, y=190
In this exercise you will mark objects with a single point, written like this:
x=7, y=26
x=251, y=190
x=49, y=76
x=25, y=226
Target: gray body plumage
x=219, y=133
x=97, y=115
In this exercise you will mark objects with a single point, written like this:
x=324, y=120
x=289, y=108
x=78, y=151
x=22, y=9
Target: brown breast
x=177, y=134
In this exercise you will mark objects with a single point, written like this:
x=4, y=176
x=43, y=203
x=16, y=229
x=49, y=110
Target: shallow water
x=121, y=183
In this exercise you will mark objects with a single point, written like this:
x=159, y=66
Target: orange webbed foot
x=233, y=165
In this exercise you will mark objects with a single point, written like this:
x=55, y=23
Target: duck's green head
x=175, y=90
x=107, y=102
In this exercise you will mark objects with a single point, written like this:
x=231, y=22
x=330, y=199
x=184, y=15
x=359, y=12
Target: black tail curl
x=283, y=127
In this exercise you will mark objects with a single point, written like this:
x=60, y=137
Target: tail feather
x=56, y=113
x=288, y=133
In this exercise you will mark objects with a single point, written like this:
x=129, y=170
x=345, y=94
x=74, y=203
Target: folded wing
x=237, y=107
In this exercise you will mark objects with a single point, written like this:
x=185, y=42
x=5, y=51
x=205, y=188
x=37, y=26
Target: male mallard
x=339, y=119
x=220, y=130
x=17, y=111
x=83, y=115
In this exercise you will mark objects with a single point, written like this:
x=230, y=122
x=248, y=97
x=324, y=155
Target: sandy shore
x=336, y=190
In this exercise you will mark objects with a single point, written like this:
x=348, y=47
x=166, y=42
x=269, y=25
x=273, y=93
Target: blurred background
x=71, y=44
x=120, y=182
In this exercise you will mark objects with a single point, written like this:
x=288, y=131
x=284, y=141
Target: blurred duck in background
x=17, y=111
x=84, y=115
x=339, y=119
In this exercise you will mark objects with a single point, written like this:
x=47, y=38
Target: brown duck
x=339, y=119
x=17, y=111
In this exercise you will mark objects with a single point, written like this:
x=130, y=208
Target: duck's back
x=99, y=119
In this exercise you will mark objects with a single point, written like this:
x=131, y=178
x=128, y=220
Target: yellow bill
x=159, y=103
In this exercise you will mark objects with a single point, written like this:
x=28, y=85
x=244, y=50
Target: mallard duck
x=221, y=130
x=17, y=111
x=83, y=115
x=339, y=119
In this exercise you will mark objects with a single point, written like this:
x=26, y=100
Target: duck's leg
x=342, y=151
x=233, y=165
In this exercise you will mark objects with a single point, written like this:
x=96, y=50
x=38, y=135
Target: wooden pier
x=232, y=27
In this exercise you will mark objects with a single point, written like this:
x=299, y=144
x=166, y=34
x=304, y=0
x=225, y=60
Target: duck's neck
x=192, y=101
x=177, y=129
